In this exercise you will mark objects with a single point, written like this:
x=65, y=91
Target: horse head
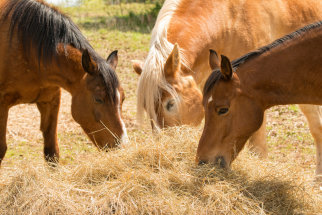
x=179, y=99
x=230, y=115
x=97, y=103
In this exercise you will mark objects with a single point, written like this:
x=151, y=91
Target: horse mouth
x=219, y=161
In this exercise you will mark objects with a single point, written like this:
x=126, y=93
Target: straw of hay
x=156, y=175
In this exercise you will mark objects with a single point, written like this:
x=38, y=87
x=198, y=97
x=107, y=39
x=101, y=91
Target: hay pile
x=157, y=175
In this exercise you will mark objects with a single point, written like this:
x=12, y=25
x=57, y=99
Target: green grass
x=294, y=108
x=94, y=15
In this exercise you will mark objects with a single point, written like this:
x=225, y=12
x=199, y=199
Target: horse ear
x=172, y=65
x=137, y=66
x=88, y=64
x=226, y=68
x=112, y=59
x=213, y=60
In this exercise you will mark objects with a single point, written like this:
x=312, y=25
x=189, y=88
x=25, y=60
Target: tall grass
x=139, y=17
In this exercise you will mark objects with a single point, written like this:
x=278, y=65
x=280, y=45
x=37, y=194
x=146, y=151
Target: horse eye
x=98, y=100
x=222, y=111
x=170, y=105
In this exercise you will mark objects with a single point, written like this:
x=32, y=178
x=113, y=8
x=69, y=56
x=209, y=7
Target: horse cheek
x=251, y=118
x=78, y=110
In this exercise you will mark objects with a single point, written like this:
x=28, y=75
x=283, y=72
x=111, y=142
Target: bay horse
x=288, y=71
x=172, y=75
x=42, y=51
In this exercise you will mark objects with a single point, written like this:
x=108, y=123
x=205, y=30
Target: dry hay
x=157, y=175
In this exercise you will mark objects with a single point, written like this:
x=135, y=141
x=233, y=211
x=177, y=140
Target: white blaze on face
x=210, y=99
x=124, y=137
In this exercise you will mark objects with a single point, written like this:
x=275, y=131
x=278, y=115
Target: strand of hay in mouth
x=156, y=175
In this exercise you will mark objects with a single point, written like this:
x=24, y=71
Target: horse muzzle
x=218, y=161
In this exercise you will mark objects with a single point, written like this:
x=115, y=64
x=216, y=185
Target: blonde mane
x=152, y=79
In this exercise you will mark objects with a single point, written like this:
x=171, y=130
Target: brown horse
x=42, y=51
x=288, y=71
x=168, y=88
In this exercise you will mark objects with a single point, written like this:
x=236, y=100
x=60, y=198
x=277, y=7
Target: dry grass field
x=153, y=174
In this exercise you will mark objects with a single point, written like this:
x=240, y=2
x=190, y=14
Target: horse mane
x=216, y=75
x=152, y=79
x=42, y=27
x=236, y=63
x=213, y=78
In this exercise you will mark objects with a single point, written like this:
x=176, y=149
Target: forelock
x=214, y=77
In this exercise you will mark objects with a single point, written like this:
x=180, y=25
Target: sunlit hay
x=157, y=174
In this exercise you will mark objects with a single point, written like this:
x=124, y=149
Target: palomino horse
x=288, y=71
x=42, y=50
x=168, y=86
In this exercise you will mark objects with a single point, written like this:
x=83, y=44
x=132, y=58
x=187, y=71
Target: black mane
x=216, y=74
x=236, y=63
x=42, y=27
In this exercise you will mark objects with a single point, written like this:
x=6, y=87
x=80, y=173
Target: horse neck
x=220, y=25
x=288, y=74
x=66, y=71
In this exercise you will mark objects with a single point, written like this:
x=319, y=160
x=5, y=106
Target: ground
x=154, y=174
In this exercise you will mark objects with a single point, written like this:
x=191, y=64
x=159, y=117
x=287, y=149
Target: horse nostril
x=202, y=162
x=220, y=160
